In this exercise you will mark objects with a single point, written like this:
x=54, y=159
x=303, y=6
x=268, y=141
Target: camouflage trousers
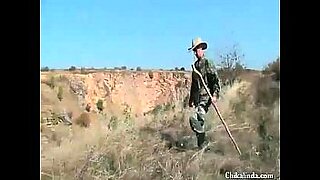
x=197, y=122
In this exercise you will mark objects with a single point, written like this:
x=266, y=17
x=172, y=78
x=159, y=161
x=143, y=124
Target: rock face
x=141, y=90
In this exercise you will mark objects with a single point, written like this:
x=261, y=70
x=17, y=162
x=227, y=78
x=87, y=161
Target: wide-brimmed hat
x=198, y=42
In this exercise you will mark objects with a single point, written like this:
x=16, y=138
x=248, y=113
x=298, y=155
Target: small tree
x=72, y=68
x=176, y=68
x=124, y=67
x=231, y=63
x=139, y=68
x=100, y=105
x=182, y=69
x=45, y=69
x=60, y=93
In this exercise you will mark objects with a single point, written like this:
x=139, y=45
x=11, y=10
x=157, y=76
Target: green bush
x=100, y=105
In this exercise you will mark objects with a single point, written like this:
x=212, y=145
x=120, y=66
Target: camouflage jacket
x=210, y=76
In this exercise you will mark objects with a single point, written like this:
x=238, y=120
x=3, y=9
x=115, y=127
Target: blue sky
x=155, y=33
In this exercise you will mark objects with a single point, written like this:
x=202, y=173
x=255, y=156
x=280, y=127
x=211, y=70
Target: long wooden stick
x=217, y=110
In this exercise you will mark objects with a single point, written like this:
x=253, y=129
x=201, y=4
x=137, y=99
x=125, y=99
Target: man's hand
x=214, y=99
x=190, y=104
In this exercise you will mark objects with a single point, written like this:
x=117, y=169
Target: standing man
x=198, y=95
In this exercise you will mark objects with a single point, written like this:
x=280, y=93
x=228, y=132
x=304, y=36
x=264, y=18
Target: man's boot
x=201, y=140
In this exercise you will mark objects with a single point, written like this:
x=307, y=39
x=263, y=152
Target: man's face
x=198, y=52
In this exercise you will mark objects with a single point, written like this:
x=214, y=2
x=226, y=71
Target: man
x=198, y=95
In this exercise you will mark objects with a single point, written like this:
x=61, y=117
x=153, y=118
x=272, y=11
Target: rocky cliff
x=141, y=90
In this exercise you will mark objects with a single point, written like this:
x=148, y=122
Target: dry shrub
x=273, y=68
x=254, y=126
x=126, y=151
x=51, y=82
x=150, y=73
x=60, y=93
x=83, y=120
x=267, y=91
x=65, y=158
x=99, y=105
x=63, y=79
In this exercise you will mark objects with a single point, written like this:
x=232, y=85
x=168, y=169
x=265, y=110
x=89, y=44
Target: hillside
x=143, y=130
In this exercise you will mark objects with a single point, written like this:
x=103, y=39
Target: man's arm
x=213, y=80
x=192, y=90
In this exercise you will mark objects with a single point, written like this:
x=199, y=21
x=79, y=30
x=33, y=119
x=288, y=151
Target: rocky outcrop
x=141, y=90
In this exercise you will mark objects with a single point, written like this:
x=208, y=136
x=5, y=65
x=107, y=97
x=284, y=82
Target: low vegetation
x=100, y=105
x=83, y=120
x=60, y=93
x=160, y=145
x=273, y=68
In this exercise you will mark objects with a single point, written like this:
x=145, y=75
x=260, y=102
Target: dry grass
x=120, y=146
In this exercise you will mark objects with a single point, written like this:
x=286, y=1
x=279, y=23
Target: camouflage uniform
x=199, y=96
